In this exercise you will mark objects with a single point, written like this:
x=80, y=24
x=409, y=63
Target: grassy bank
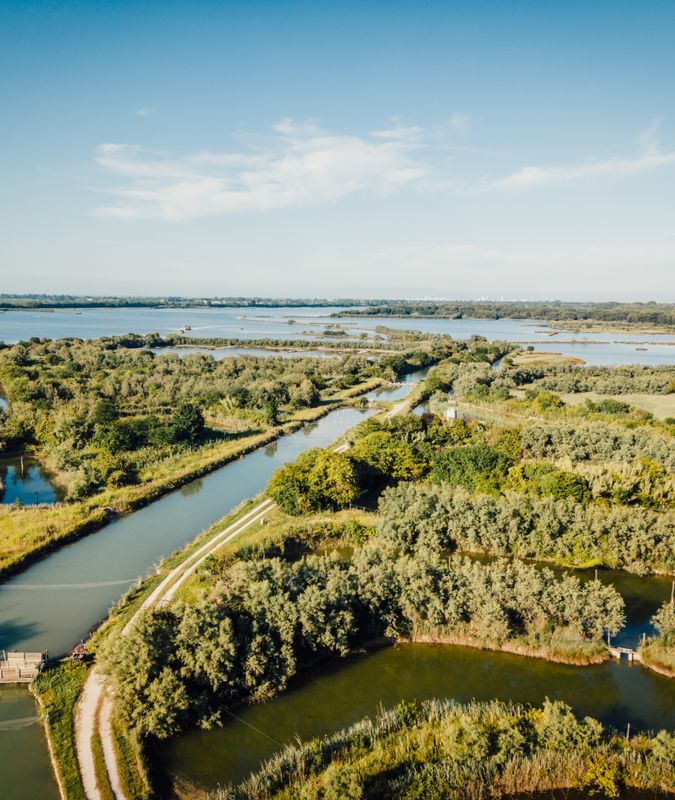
x=29, y=533
x=659, y=654
x=57, y=689
x=442, y=749
x=555, y=647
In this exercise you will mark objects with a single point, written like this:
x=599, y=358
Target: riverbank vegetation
x=441, y=749
x=58, y=688
x=659, y=651
x=265, y=619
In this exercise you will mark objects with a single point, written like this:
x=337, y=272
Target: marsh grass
x=442, y=749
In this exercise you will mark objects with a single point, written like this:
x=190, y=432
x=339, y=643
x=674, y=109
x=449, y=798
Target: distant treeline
x=28, y=301
x=643, y=313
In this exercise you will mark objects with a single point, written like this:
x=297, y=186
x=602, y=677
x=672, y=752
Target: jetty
x=18, y=667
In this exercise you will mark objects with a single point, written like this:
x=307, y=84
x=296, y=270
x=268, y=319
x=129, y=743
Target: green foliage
x=319, y=480
x=474, y=751
x=187, y=424
x=268, y=618
x=382, y=457
x=541, y=479
x=58, y=689
x=476, y=467
x=421, y=516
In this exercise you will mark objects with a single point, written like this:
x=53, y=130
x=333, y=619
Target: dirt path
x=84, y=730
x=93, y=692
x=106, y=734
x=396, y=409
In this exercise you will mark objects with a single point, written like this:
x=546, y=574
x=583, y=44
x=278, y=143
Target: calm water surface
x=251, y=324
x=24, y=479
x=25, y=771
x=339, y=694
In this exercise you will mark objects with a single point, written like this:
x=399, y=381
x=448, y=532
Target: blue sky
x=466, y=149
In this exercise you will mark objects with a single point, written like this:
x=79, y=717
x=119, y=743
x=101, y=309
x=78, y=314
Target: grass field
x=531, y=358
x=660, y=405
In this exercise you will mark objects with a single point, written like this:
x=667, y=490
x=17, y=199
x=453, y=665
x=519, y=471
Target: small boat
x=185, y=329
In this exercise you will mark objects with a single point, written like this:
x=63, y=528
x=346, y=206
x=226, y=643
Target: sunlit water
x=251, y=324
x=24, y=480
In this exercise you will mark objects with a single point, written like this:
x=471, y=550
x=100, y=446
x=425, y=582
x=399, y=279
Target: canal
x=54, y=603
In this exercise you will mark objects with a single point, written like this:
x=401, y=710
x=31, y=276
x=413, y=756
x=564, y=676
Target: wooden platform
x=18, y=667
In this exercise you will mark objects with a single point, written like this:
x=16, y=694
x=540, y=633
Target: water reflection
x=194, y=487
x=24, y=480
x=338, y=694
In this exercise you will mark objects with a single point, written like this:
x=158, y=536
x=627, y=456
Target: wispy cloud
x=649, y=156
x=459, y=122
x=145, y=112
x=301, y=165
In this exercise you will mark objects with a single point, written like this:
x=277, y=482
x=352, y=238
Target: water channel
x=56, y=601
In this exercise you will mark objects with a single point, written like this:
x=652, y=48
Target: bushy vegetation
x=442, y=750
x=268, y=618
x=634, y=313
x=659, y=651
x=443, y=517
x=319, y=480
x=596, y=441
x=604, y=380
x=105, y=411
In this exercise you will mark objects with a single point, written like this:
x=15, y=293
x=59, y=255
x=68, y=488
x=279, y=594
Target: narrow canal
x=55, y=602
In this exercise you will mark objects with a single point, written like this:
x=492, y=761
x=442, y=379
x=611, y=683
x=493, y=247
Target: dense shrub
x=419, y=516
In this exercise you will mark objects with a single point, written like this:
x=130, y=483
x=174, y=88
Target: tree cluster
x=445, y=518
x=270, y=618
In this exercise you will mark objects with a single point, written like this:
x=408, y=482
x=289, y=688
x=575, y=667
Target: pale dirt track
x=93, y=692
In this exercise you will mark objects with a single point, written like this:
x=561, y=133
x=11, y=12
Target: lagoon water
x=341, y=692
x=56, y=601
x=250, y=324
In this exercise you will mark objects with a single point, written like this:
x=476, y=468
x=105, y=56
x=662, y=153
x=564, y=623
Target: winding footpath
x=95, y=696
x=94, y=693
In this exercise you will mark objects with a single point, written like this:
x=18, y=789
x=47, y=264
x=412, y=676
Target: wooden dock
x=17, y=667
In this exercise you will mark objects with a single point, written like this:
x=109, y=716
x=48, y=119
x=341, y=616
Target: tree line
x=446, y=518
x=651, y=313
x=267, y=619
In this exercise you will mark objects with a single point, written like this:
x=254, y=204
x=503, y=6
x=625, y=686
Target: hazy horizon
x=297, y=149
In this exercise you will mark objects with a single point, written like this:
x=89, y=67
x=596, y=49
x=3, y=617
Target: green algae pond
x=338, y=694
